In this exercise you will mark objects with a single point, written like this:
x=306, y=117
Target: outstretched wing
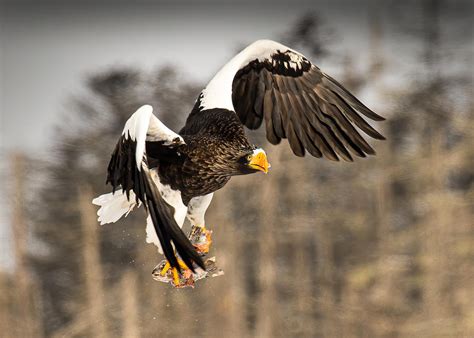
x=128, y=170
x=269, y=81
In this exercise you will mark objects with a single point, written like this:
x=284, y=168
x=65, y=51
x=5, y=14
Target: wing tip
x=332, y=158
x=146, y=108
x=380, y=137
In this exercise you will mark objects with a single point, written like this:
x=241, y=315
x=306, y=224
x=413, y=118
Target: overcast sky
x=48, y=50
x=49, y=47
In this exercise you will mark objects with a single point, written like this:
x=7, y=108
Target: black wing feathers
x=123, y=172
x=301, y=103
x=167, y=229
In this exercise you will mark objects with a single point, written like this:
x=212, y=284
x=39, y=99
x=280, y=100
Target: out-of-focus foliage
x=82, y=156
x=382, y=247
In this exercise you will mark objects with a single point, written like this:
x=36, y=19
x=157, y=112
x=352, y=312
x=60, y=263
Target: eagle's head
x=253, y=161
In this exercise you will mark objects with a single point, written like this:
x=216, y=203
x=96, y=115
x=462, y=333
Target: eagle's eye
x=249, y=157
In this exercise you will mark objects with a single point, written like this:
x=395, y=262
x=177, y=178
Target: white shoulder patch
x=143, y=126
x=218, y=93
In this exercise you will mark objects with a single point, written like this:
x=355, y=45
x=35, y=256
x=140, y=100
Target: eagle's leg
x=201, y=238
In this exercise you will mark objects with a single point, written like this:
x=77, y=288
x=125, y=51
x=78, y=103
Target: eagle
x=174, y=175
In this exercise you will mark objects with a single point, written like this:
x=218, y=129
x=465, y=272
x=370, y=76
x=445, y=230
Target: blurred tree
x=310, y=34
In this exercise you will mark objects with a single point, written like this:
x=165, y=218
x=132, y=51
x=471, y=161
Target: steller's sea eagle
x=174, y=175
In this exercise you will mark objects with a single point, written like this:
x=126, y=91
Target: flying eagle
x=174, y=175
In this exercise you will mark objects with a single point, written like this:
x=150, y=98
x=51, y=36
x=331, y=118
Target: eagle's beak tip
x=259, y=162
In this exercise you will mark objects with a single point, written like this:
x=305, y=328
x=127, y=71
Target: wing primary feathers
x=337, y=87
x=249, y=98
x=267, y=113
x=304, y=135
x=308, y=116
x=291, y=124
x=259, y=99
x=238, y=92
x=298, y=102
x=320, y=140
x=257, y=107
x=273, y=123
x=296, y=118
x=316, y=116
x=297, y=128
x=294, y=141
x=331, y=110
x=310, y=145
x=328, y=111
x=359, y=121
x=277, y=115
x=313, y=118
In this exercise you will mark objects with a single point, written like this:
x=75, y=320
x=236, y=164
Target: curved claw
x=176, y=277
x=201, y=238
x=172, y=275
x=165, y=269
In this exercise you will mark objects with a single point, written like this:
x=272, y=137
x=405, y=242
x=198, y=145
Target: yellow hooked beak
x=259, y=161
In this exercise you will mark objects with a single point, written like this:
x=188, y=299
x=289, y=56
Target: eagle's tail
x=167, y=230
x=114, y=205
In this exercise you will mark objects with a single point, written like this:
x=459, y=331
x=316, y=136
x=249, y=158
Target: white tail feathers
x=113, y=206
x=151, y=236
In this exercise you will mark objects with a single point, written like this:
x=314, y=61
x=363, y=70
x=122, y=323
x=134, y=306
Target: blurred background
x=383, y=247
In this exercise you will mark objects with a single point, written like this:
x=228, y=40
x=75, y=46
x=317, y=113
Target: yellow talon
x=165, y=269
x=182, y=265
x=175, y=277
x=178, y=279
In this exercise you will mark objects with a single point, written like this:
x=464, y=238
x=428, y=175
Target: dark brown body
x=215, y=140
